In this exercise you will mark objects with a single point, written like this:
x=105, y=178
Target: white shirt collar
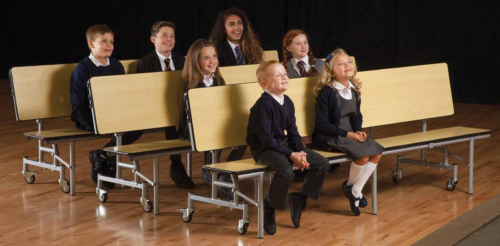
x=97, y=63
x=305, y=59
x=281, y=100
x=162, y=61
x=232, y=45
x=208, y=81
x=344, y=92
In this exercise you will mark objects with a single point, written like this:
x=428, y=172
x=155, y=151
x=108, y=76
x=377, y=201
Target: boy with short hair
x=163, y=59
x=270, y=117
x=100, y=40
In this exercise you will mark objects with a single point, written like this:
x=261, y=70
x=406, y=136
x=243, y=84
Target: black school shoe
x=269, y=220
x=179, y=176
x=110, y=171
x=297, y=204
x=362, y=202
x=348, y=193
x=97, y=162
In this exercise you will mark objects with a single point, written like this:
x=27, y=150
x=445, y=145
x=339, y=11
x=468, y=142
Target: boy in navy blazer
x=163, y=59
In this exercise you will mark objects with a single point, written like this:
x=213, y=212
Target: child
x=299, y=62
x=163, y=59
x=270, y=117
x=236, y=44
x=338, y=124
x=235, y=40
x=298, y=59
x=201, y=70
x=100, y=40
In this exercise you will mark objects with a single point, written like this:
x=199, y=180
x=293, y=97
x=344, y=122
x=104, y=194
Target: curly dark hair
x=249, y=44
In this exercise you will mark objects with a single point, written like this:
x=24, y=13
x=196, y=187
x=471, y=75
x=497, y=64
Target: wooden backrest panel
x=239, y=74
x=125, y=103
x=271, y=55
x=130, y=66
x=220, y=114
x=41, y=91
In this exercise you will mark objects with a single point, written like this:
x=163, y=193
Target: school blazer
x=292, y=73
x=151, y=63
x=225, y=54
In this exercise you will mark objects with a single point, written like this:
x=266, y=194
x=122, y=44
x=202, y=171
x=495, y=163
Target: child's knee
x=362, y=161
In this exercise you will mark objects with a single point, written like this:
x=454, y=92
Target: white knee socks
x=363, y=177
x=354, y=173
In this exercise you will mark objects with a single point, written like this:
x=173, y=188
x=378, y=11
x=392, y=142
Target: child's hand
x=299, y=160
x=355, y=136
x=363, y=134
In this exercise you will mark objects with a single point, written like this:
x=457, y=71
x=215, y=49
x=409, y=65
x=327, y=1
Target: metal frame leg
x=156, y=186
x=72, y=169
x=260, y=210
x=189, y=164
x=374, y=191
x=471, y=166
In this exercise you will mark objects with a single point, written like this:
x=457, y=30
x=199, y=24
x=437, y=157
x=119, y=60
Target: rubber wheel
x=149, y=207
x=450, y=185
x=103, y=197
x=395, y=177
x=67, y=188
x=30, y=180
x=188, y=219
x=243, y=230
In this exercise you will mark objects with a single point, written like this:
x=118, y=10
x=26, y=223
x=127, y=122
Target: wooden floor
x=41, y=213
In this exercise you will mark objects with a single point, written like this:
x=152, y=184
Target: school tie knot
x=167, y=65
x=239, y=56
x=302, y=68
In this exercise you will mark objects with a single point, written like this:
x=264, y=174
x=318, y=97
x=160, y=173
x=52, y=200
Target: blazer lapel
x=155, y=62
x=228, y=52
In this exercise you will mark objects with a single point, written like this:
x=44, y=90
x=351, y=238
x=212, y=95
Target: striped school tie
x=167, y=65
x=239, y=56
x=302, y=69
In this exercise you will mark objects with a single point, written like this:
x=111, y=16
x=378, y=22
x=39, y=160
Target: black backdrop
x=380, y=34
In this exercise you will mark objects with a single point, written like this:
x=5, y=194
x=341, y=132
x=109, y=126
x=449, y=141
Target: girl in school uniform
x=201, y=69
x=235, y=40
x=298, y=59
x=236, y=44
x=338, y=124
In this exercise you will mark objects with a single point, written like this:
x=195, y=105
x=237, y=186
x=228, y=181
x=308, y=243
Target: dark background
x=380, y=34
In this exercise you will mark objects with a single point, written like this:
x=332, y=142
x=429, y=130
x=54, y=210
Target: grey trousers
x=277, y=195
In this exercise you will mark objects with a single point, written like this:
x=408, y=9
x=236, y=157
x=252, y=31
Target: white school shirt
x=162, y=61
x=306, y=64
x=281, y=100
x=344, y=92
x=208, y=81
x=97, y=63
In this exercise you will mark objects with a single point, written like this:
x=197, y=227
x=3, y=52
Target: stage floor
x=41, y=213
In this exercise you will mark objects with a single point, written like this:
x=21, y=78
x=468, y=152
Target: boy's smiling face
x=276, y=79
x=165, y=40
x=102, y=46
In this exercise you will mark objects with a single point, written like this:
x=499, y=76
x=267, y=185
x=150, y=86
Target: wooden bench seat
x=59, y=134
x=150, y=147
x=389, y=96
x=237, y=167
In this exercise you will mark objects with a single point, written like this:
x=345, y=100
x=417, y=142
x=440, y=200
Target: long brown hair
x=249, y=44
x=192, y=75
x=287, y=41
x=326, y=76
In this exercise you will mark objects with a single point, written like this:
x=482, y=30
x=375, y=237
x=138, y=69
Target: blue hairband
x=328, y=57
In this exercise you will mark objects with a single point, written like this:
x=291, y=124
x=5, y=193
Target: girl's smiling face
x=208, y=60
x=299, y=46
x=234, y=28
x=343, y=67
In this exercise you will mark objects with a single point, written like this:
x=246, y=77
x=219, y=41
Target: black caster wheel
x=187, y=219
x=450, y=185
x=30, y=180
x=149, y=207
x=243, y=230
x=103, y=197
x=395, y=177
